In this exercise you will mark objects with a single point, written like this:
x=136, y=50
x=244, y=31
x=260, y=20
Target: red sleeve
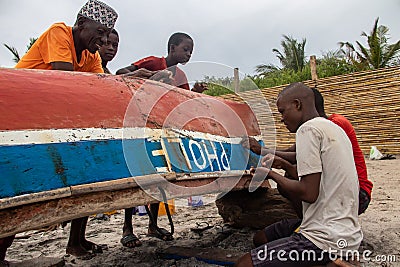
x=151, y=63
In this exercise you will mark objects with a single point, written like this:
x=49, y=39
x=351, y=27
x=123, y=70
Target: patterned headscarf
x=100, y=12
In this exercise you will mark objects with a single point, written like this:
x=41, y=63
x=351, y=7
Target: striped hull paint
x=57, y=163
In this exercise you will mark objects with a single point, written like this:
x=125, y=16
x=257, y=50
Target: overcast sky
x=231, y=32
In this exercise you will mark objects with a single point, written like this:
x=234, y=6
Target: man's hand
x=199, y=87
x=259, y=173
x=252, y=144
x=140, y=73
x=273, y=161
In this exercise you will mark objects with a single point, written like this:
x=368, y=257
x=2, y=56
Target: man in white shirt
x=327, y=189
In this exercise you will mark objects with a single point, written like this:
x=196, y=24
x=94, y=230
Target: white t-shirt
x=322, y=146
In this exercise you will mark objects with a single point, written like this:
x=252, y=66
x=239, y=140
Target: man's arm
x=306, y=189
x=290, y=173
x=62, y=66
x=251, y=143
x=288, y=156
x=290, y=149
x=274, y=161
x=296, y=202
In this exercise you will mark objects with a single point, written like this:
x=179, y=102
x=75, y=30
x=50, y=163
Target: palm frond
x=13, y=51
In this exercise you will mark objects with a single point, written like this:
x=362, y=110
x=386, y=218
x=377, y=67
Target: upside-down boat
x=74, y=144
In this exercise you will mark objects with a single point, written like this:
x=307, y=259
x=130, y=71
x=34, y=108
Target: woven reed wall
x=370, y=100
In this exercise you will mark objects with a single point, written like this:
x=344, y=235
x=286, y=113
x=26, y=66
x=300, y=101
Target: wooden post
x=236, y=79
x=313, y=67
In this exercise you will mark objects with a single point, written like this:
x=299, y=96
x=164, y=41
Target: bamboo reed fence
x=370, y=100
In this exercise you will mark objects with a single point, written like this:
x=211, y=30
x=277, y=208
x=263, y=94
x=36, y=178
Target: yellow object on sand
x=109, y=213
x=171, y=207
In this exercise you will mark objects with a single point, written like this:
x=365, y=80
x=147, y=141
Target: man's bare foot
x=90, y=246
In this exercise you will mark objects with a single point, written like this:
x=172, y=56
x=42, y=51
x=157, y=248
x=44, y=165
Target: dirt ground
x=380, y=224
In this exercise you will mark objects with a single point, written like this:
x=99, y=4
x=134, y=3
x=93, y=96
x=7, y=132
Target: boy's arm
x=127, y=69
x=199, y=87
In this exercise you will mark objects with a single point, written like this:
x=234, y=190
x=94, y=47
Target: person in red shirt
x=180, y=48
x=290, y=153
x=365, y=184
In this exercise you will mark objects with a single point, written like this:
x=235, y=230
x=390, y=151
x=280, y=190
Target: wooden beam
x=313, y=67
x=236, y=81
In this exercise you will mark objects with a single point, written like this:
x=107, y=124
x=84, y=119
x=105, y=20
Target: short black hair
x=177, y=38
x=319, y=101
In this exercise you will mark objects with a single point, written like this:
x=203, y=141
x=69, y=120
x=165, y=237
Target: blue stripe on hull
x=28, y=169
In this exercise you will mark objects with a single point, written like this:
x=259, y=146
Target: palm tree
x=265, y=68
x=14, y=51
x=378, y=54
x=292, y=57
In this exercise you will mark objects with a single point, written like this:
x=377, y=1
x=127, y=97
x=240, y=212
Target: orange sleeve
x=57, y=46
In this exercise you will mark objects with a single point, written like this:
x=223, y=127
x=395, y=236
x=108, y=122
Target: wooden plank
x=37, y=215
x=35, y=197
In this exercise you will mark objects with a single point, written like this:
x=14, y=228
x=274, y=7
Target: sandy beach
x=380, y=224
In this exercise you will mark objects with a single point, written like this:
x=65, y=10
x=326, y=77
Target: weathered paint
x=35, y=99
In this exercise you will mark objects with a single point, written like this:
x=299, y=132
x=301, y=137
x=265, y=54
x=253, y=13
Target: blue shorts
x=286, y=248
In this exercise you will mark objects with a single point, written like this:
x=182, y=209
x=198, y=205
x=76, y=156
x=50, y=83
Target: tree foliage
x=292, y=56
x=14, y=51
x=219, y=86
x=377, y=54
